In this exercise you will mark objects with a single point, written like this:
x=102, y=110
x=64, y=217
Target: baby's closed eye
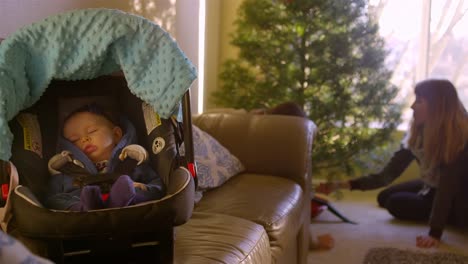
x=73, y=139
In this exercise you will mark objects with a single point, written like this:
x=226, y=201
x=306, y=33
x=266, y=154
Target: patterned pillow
x=13, y=251
x=215, y=164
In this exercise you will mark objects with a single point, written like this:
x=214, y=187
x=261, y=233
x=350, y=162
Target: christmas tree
x=325, y=55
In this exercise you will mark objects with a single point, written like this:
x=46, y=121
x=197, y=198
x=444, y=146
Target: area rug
x=386, y=255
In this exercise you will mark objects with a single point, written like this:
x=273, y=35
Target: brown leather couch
x=263, y=214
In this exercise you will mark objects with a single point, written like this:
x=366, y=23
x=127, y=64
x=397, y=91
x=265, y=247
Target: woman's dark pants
x=405, y=202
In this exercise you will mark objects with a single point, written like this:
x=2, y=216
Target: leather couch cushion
x=273, y=202
x=265, y=144
x=216, y=238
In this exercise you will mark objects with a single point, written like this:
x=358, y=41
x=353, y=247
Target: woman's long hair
x=445, y=133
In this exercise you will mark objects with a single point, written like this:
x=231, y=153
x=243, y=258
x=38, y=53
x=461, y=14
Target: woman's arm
x=394, y=168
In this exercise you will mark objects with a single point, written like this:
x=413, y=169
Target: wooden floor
x=375, y=228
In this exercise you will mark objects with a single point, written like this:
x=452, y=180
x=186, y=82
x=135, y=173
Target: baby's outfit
x=64, y=195
x=122, y=193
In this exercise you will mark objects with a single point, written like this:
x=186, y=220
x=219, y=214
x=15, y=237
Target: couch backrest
x=266, y=144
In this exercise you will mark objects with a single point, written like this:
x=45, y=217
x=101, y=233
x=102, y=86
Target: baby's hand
x=135, y=152
x=140, y=186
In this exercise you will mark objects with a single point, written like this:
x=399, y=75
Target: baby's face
x=93, y=134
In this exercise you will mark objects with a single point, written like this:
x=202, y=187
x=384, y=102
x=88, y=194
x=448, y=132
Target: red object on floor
x=319, y=204
x=316, y=208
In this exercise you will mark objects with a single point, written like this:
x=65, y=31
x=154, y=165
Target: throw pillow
x=215, y=164
x=13, y=251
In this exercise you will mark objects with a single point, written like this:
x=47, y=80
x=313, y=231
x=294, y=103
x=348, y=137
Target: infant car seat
x=72, y=55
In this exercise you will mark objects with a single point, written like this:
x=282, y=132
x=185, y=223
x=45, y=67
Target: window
x=426, y=39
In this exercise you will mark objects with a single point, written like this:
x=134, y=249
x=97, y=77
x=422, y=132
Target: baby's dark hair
x=287, y=108
x=95, y=109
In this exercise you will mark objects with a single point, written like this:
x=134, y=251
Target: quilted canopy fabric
x=85, y=44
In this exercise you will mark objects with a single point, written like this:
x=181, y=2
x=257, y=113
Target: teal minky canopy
x=85, y=44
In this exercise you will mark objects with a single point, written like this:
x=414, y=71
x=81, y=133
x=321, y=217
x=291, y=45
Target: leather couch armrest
x=266, y=144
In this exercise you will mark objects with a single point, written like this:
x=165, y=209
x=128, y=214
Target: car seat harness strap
x=81, y=177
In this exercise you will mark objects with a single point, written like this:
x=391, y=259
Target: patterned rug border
x=388, y=255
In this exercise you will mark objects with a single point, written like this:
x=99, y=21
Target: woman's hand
x=325, y=188
x=329, y=187
x=427, y=241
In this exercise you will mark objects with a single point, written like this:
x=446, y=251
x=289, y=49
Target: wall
x=17, y=13
x=220, y=16
x=186, y=22
x=179, y=18
x=212, y=51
